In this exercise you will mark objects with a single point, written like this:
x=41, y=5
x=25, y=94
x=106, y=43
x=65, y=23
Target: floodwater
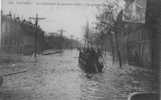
x=58, y=77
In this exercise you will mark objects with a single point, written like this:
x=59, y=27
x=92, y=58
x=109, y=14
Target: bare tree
x=106, y=26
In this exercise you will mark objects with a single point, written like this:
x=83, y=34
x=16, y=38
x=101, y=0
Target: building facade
x=134, y=42
x=18, y=36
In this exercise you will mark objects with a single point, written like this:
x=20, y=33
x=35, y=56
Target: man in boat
x=90, y=59
x=95, y=65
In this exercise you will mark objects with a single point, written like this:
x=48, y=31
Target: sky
x=69, y=15
x=72, y=18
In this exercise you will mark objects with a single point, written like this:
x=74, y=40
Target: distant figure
x=1, y=80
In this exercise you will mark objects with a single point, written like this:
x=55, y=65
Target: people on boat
x=90, y=57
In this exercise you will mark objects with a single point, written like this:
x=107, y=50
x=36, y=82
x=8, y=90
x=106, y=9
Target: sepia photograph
x=80, y=50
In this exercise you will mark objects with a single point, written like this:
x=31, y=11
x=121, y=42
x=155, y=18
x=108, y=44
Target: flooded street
x=58, y=77
x=80, y=50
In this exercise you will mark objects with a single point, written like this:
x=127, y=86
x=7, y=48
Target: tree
x=108, y=29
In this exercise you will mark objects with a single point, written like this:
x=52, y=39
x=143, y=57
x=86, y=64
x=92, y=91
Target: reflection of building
x=18, y=35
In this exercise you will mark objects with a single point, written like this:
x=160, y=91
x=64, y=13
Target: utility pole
x=86, y=36
x=61, y=35
x=61, y=32
x=72, y=42
x=36, y=19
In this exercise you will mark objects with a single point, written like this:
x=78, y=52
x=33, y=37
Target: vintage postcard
x=80, y=50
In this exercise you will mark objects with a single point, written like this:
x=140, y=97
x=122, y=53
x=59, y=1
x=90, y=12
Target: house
x=139, y=45
x=134, y=42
